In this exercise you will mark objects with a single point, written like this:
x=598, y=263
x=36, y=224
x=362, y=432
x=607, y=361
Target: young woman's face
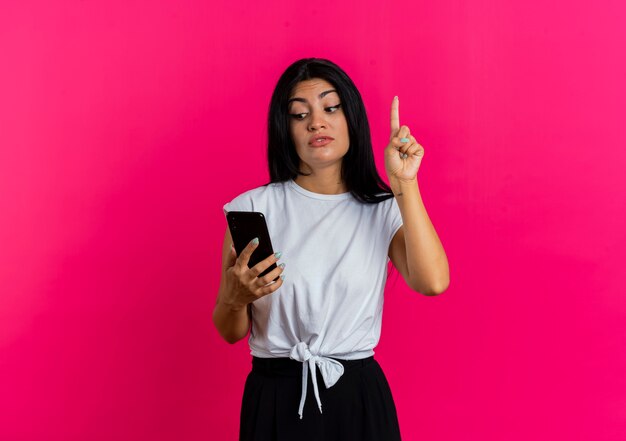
x=315, y=110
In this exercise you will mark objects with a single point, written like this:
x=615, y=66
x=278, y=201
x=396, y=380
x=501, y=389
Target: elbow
x=228, y=335
x=440, y=281
x=440, y=288
x=429, y=292
x=436, y=283
x=434, y=289
x=439, y=284
x=231, y=338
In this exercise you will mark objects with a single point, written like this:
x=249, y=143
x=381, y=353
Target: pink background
x=125, y=126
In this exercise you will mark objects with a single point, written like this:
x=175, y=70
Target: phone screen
x=245, y=226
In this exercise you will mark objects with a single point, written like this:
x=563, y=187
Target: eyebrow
x=302, y=100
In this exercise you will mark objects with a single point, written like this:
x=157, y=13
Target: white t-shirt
x=335, y=253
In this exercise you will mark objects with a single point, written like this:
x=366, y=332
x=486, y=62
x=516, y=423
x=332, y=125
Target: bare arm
x=231, y=321
x=233, y=325
x=240, y=286
x=416, y=250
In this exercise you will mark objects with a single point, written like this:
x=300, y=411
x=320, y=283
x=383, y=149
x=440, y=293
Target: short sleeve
x=394, y=218
x=243, y=202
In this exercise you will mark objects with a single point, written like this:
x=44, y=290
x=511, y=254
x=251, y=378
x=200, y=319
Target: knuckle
x=274, y=286
x=255, y=271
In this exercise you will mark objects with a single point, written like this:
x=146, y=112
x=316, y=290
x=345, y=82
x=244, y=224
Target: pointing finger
x=395, y=116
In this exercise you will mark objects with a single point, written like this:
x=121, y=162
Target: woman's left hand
x=403, y=155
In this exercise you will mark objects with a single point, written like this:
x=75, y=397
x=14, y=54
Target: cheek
x=345, y=127
x=295, y=140
x=345, y=132
x=296, y=133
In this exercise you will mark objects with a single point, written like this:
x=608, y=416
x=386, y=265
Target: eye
x=301, y=116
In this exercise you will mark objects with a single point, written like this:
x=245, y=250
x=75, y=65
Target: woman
x=336, y=225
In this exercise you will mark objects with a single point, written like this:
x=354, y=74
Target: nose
x=317, y=121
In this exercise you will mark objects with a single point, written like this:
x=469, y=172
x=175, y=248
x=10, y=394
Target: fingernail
x=255, y=241
x=278, y=254
x=282, y=276
x=282, y=265
x=395, y=97
x=404, y=139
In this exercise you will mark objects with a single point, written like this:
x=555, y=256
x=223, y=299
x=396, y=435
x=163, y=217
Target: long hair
x=358, y=170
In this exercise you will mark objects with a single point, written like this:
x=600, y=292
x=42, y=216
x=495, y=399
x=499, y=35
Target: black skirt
x=358, y=407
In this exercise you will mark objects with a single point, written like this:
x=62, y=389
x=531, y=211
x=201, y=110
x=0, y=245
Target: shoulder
x=247, y=200
x=388, y=212
x=386, y=206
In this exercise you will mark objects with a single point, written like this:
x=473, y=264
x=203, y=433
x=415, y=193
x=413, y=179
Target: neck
x=324, y=181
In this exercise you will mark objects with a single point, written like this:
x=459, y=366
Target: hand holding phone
x=253, y=272
x=245, y=226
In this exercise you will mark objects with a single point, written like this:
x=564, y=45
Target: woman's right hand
x=242, y=284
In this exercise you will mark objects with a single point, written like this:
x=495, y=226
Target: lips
x=320, y=140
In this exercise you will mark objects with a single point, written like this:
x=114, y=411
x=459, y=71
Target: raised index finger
x=395, y=116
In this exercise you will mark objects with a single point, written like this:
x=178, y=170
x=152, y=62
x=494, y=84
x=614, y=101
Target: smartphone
x=245, y=226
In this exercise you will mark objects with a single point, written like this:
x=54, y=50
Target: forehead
x=310, y=90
